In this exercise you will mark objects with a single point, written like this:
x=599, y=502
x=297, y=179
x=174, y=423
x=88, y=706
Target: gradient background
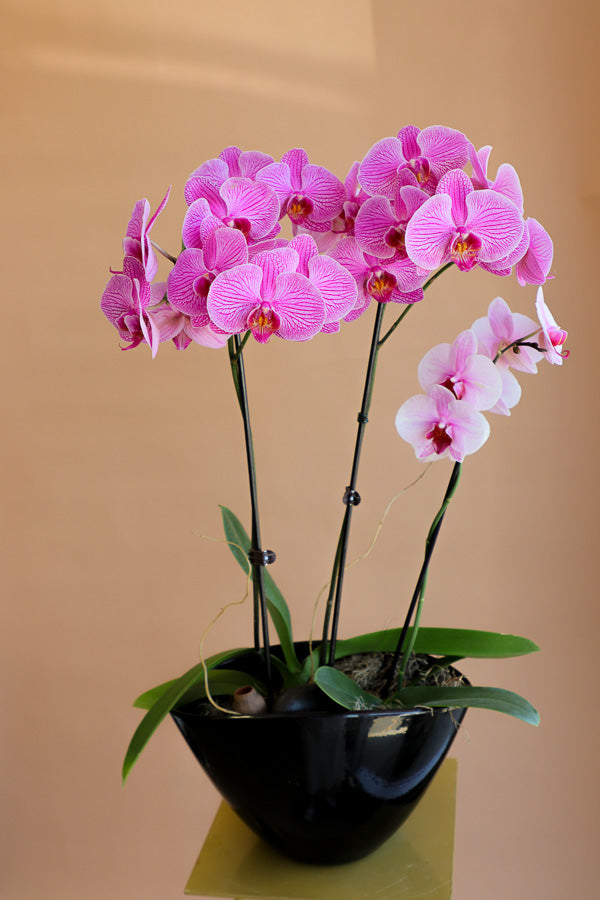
x=114, y=465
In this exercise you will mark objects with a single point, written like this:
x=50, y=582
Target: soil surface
x=370, y=672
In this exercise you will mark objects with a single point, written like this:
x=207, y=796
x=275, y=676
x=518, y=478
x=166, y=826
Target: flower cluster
x=473, y=375
x=408, y=208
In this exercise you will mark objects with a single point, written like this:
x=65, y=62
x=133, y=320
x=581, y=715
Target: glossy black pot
x=326, y=786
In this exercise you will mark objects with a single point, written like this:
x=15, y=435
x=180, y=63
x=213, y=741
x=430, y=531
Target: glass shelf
x=416, y=862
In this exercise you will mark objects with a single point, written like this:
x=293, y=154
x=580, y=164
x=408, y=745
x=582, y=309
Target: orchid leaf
x=159, y=710
x=344, y=690
x=190, y=685
x=459, y=642
x=239, y=543
x=496, y=699
x=148, y=698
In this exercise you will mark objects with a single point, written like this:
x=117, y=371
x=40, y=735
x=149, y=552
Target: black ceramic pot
x=321, y=787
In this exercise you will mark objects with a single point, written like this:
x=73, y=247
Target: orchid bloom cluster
x=473, y=375
x=408, y=208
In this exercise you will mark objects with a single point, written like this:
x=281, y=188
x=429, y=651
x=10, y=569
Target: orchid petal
x=273, y=264
x=225, y=248
x=299, y=306
x=336, y=286
x=378, y=170
x=533, y=268
x=374, y=220
x=233, y=295
x=457, y=185
x=445, y=148
x=430, y=231
x=253, y=201
x=306, y=248
x=325, y=190
x=297, y=160
x=496, y=221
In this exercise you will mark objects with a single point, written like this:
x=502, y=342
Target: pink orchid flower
x=428, y=154
x=175, y=326
x=195, y=270
x=499, y=335
x=552, y=337
x=267, y=296
x=334, y=283
x=534, y=265
x=126, y=302
x=462, y=225
x=459, y=368
x=310, y=195
x=136, y=242
x=355, y=197
x=231, y=163
x=249, y=206
x=397, y=280
x=440, y=425
x=380, y=227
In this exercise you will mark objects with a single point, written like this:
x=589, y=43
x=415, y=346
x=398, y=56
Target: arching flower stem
x=235, y=346
x=337, y=578
x=401, y=656
x=334, y=599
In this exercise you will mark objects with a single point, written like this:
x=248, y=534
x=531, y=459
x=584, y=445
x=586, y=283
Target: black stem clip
x=351, y=497
x=261, y=557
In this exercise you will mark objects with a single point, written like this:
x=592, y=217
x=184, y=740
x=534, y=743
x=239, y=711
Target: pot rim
x=189, y=711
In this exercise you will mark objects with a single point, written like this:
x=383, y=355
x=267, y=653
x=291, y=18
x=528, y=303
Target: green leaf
x=239, y=543
x=496, y=699
x=190, y=686
x=344, y=690
x=148, y=698
x=157, y=713
x=459, y=642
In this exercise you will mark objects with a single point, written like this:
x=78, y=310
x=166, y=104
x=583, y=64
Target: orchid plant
x=418, y=204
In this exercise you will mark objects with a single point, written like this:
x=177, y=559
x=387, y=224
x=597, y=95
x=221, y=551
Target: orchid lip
x=380, y=285
x=299, y=208
x=465, y=251
x=395, y=238
x=243, y=225
x=263, y=321
x=202, y=283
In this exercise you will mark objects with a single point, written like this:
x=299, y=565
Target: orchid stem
x=350, y=497
x=401, y=656
x=236, y=359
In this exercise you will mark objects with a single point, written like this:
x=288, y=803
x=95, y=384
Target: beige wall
x=114, y=465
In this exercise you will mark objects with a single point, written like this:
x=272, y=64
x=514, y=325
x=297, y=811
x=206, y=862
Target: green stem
x=402, y=655
x=351, y=493
x=236, y=360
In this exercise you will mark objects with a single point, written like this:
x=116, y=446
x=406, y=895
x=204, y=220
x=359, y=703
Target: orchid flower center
x=380, y=285
x=395, y=237
x=202, y=283
x=243, y=225
x=420, y=168
x=465, y=251
x=262, y=322
x=454, y=384
x=439, y=437
x=299, y=208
